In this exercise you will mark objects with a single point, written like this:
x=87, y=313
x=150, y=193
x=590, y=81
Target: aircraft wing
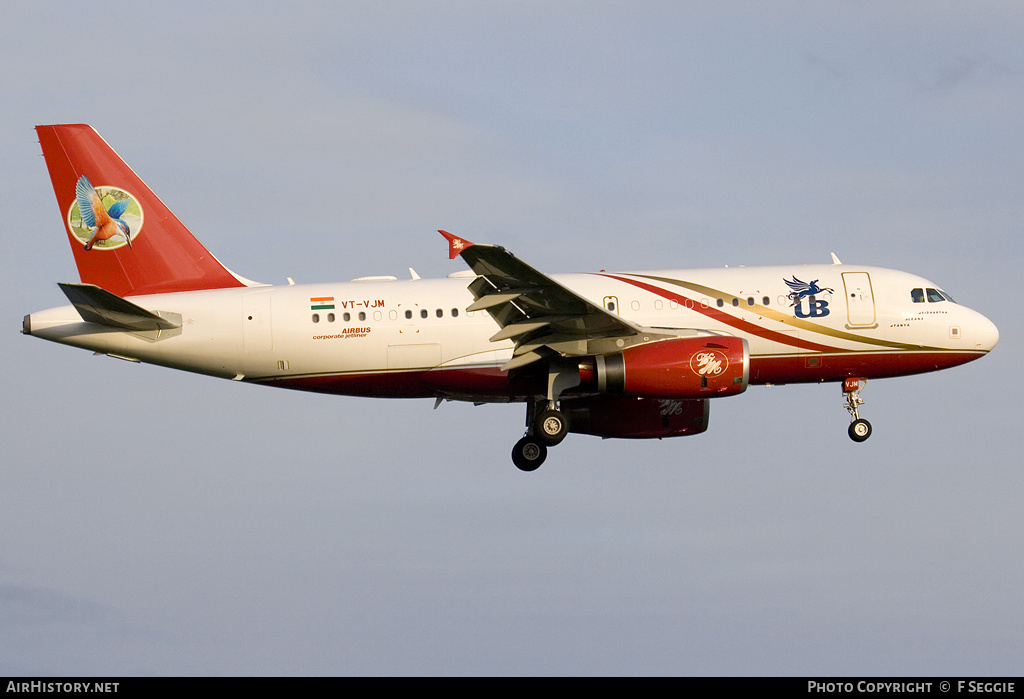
x=541, y=316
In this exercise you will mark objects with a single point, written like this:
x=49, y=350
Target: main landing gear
x=528, y=454
x=545, y=427
x=860, y=429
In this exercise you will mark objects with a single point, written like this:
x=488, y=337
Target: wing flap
x=519, y=329
x=491, y=300
x=522, y=360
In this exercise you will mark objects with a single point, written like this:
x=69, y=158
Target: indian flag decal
x=321, y=303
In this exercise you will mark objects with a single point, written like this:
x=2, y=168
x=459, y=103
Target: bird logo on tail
x=103, y=218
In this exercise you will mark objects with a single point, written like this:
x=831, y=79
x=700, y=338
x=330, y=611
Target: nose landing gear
x=860, y=429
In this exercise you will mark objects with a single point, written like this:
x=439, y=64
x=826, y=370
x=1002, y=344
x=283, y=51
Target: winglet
x=456, y=245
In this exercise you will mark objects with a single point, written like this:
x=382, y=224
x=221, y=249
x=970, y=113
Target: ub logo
x=803, y=294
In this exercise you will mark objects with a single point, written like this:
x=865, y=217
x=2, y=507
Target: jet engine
x=690, y=367
x=636, y=418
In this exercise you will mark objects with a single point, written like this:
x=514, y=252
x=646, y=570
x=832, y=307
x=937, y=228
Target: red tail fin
x=123, y=237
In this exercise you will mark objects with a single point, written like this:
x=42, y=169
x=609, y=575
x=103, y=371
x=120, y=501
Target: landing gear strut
x=860, y=429
x=546, y=426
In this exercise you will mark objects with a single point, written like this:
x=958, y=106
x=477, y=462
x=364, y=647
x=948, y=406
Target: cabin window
x=440, y=313
x=316, y=317
x=346, y=317
x=750, y=300
x=720, y=303
x=765, y=301
x=362, y=316
x=423, y=313
x=408, y=315
x=455, y=313
x=330, y=317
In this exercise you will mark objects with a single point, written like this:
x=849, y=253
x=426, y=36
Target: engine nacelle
x=626, y=417
x=690, y=367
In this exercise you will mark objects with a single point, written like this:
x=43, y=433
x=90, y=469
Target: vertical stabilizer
x=123, y=237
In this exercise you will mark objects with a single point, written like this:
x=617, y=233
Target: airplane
x=613, y=354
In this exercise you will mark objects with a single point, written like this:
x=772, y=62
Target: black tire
x=860, y=430
x=528, y=454
x=551, y=427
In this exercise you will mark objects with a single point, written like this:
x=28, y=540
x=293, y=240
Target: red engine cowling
x=626, y=417
x=690, y=367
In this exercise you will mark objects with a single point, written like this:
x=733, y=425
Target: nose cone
x=986, y=333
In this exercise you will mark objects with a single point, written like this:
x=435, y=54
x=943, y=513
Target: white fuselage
x=414, y=338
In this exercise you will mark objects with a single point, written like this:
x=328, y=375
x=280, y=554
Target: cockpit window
x=930, y=295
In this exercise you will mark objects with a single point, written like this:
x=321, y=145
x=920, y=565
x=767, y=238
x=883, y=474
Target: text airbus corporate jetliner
x=629, y=354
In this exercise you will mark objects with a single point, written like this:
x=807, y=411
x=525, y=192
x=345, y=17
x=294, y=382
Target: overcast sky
x=156, y=522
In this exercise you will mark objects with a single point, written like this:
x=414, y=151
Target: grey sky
x=154, y=522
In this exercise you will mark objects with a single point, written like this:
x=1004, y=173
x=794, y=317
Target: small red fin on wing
x=455, y=244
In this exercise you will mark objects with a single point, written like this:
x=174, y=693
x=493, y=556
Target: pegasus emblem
x=802, y=290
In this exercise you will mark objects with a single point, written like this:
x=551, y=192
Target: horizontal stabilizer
x=97, y=305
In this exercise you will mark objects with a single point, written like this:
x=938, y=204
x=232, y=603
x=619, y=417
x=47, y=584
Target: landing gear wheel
x=551, y=427
x=860, y=430
x=528, y=454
